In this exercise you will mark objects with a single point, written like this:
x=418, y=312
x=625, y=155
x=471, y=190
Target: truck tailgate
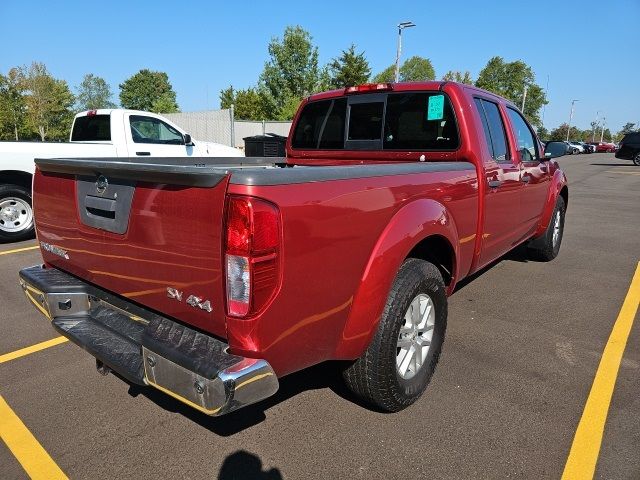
x=150, y=232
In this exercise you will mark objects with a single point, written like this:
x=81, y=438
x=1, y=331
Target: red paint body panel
x=342, y=240
x=173, y=240
x=343, y=243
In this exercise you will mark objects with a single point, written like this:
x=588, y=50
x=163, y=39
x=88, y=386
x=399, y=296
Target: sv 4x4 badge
x=192, y=300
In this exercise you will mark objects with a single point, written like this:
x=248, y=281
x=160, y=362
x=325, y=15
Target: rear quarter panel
x=330, y=234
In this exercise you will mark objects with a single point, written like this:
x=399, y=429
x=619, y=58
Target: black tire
x=14, y=232
x=636, y=159
x=544, y=248
x=374, y=377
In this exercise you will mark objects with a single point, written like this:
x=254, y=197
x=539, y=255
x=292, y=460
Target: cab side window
x=527, y=144
x=493, y=130
x=153, y=130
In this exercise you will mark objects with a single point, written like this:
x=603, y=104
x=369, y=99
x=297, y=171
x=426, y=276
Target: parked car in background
x=94, y=133
x=576, y=147
x=630, y=148
x=587, y=147
x=605, y=147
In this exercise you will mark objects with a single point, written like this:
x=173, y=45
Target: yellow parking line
x=17, y=250
x=583, y=456
x=34, y=459
x=32, y=349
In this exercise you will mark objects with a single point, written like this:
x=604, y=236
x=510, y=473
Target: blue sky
x=588, y=50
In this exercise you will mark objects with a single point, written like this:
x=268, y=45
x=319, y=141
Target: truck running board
x=146, y=348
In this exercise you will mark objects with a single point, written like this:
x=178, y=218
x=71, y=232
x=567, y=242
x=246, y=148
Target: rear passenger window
x=527, y=145
x=409, y=125
x=500, y=151
x=485, y=125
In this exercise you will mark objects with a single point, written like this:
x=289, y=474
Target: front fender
x=558, y=181
x=410, y=225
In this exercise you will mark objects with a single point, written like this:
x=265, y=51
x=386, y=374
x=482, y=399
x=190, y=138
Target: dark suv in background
x=630, y=148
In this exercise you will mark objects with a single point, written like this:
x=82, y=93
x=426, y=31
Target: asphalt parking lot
x=523, y=345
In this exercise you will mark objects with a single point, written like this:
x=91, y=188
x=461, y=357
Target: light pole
x=570, y=118
x=602, y=131
x=524, y=97
x=544, y=107
x=401, y=26
x=595, y=125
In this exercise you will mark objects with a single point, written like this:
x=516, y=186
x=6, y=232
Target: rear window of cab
x=91, y=128
x=381, y=121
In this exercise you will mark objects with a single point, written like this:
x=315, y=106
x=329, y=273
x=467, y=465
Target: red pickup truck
x=211, y=279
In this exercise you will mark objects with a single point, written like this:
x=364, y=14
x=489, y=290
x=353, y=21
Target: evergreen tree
x=349, y=69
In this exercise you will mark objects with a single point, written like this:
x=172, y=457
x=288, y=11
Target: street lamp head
x=403, y=25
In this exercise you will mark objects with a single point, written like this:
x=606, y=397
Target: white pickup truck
x=95, y=133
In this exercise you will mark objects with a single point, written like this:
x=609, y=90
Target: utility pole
x=593, y=129
x=524, y=97
x=602, y=132
x=544, y=107
x=401, y=26
x=570, y=118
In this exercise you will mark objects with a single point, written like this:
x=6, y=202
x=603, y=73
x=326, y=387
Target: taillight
x=252, y=248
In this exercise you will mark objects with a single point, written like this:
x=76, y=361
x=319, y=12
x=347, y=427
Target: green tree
x=627, y=128
x=560, y=133
x=508, y=80
x=49, y=103
x=12, y=105
x=93, y=93
x=349, y=69
x=248, y=104
x=227, y=97
x=459, y=77
x=291, y=73
x=543, y=133
x=386, y=75
x=150, y=91
x=415, y=69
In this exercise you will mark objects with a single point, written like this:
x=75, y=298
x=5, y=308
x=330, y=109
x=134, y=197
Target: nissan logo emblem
x=101, y=184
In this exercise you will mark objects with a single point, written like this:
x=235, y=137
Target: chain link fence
x=220, y=126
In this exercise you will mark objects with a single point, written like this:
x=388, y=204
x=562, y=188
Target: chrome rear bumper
x=146, y=348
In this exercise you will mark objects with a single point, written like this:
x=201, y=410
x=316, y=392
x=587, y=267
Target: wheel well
x=564, y=193
x=437, y=250
x=14, y=177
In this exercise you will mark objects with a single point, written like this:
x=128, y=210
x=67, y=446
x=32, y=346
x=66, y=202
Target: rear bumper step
x=146, y=348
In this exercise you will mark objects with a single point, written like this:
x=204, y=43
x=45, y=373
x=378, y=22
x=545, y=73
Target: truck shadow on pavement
x=629, y=164
x=322, y=376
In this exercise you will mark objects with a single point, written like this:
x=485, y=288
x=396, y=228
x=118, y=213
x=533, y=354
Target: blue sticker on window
x=435, y=107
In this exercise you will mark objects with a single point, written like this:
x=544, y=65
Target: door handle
x=495, y=183
x=143, y=153
x=526, y=178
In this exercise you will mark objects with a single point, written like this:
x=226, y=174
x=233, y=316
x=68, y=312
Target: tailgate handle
x=143, y=153
x=97, y=203
x=100, y=207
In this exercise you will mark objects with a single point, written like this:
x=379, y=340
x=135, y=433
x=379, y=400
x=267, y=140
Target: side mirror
x=554, y=150
x=187, y=140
